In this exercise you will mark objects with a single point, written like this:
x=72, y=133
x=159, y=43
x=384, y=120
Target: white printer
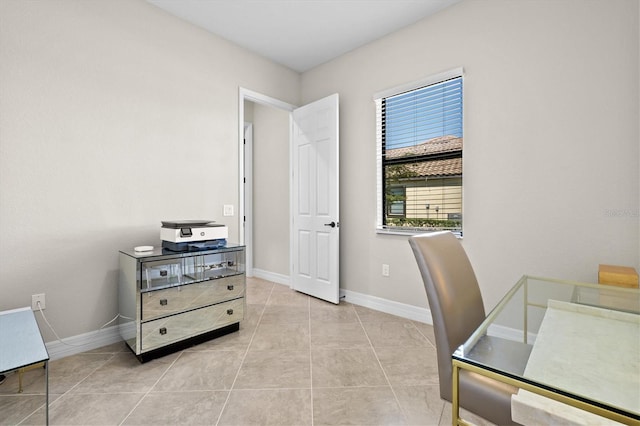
x=181, y=235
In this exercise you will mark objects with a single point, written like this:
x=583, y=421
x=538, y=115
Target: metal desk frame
x=21, y=345
x=459, y=363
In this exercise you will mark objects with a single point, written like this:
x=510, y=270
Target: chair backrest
x=453, y=294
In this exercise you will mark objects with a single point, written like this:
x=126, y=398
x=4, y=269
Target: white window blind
x=419, y=155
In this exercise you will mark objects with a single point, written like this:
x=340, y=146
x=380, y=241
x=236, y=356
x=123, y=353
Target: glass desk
x=21, y=345
x=561, y=343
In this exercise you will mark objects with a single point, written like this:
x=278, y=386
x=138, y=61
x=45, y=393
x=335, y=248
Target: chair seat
x=486, y=397
x=511, y=356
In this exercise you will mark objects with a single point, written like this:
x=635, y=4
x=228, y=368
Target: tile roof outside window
x=446, y=167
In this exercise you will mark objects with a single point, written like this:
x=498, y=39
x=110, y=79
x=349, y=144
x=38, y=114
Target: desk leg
x=46, y=392
x=455, y=397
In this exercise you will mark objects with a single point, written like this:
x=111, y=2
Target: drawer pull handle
x=229, y=311
x=230, y=287
x=163, y=302
x=163, y=330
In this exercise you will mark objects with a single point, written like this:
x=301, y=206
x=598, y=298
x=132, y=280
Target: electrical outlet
x=34, y=302
x=385, y=270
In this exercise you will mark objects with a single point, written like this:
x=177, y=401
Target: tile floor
x=295, y=361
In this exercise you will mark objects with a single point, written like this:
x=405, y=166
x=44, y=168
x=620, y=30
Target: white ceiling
x=302, y=34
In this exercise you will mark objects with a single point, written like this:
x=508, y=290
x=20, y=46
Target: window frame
x=378, y=97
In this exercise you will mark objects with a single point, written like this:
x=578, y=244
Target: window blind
x=419, y=157
x=419, y=115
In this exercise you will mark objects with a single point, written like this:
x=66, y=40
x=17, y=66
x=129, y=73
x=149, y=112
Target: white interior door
x=315, y=233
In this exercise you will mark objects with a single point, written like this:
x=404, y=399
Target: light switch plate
x=228, y=210
x=385, y=270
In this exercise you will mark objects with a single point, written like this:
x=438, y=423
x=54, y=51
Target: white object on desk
x=596, y=355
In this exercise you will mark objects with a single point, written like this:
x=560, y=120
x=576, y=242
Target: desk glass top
x=581, y=340
x=21, y=343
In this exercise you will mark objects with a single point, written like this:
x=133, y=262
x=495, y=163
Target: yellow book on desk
x=623, y=276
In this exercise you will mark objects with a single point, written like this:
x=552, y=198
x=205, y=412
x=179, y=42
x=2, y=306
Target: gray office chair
x=457, y=310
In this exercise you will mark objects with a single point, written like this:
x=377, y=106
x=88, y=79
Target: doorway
x=264, y=195
x=307, y=212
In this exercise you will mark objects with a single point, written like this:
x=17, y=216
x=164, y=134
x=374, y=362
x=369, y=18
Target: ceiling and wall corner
x=302, y=34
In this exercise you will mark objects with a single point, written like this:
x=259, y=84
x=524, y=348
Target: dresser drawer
x=172, y=329
x=159, y=303
x=162, y=274
x=214, y=265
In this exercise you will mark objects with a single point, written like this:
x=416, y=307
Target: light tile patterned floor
x=295, y=361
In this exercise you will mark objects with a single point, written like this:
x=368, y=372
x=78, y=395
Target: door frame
x=245, y=216
x=247, y=180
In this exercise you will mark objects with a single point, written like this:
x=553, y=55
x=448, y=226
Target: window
x=396, y=201
x=419, y=136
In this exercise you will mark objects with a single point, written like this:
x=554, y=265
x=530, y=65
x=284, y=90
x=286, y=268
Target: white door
x=315, y=233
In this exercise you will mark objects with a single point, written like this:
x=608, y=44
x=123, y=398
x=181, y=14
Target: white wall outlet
x=34, y=302
x=228, y=210
x=385, y=270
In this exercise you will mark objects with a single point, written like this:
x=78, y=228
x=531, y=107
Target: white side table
x=21, y=345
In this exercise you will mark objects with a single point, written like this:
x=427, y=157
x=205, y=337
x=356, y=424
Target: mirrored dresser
x=170, y=300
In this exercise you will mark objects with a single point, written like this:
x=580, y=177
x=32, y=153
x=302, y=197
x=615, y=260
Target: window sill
x=411, y=232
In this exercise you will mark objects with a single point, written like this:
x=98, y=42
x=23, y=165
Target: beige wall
x=271, y=189
x=551, y=112
x=114, y=115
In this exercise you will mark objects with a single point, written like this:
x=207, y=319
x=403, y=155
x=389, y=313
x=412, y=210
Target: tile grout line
x=425, y=337
x=310, y=362
x=244, y=357
x=151, y=388
x=68, y=390
x=444, y=406
x=386, y=377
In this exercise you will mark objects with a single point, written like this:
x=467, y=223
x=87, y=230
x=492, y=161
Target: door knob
x=332, y=224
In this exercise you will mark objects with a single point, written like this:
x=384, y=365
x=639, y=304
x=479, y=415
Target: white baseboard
x=388, y=306
x=272, y=276
x=509, y=333
x=83, y=342
x=420, y=314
